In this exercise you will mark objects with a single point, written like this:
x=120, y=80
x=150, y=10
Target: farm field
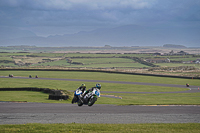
x=177, y=65
x=128, y=62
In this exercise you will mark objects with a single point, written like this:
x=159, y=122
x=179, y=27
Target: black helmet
x=83, y=85
x=98, y=86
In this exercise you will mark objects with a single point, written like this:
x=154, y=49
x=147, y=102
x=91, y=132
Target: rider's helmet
x=98, y=86
x=83, y=85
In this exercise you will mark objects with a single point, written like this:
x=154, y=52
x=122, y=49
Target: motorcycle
x=187, y=85
x=90, y=98
x=77, y=93
x=10, y=75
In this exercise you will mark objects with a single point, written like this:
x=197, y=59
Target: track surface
x=21, y=113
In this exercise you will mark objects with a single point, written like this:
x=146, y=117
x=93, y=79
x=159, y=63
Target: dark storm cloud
x=69, y=11
x=179, y=9
x=95, y=13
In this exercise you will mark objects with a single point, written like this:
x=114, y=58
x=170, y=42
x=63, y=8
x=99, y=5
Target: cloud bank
x=50, y=17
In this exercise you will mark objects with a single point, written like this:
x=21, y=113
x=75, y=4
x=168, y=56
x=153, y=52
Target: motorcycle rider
x=91, y=89
x=82, y=88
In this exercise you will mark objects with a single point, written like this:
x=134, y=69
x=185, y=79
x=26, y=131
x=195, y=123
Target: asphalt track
x=22, y=113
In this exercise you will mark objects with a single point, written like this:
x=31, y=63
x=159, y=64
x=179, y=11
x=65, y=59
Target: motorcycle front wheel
x=92, y=101
x=74, y=100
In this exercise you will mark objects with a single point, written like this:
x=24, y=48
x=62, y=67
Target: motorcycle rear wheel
x=92, y=101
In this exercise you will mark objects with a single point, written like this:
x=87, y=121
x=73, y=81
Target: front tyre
x=92, y=101
x=74, y=100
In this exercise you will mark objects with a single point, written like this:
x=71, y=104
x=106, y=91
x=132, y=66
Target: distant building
x=178, y=53
x=182, y=53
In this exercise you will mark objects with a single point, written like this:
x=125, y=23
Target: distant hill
x=7, y=33
x=173, y=46
x=128, y=35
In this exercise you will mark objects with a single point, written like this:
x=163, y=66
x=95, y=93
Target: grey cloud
x=71, y=4
x=96, y=13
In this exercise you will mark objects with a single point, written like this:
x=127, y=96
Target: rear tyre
x=92, y=101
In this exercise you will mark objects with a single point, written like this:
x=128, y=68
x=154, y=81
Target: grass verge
x=102, y=128
x=102, y=76
x=127, y=99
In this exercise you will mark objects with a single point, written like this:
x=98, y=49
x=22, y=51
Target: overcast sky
x=50, y=17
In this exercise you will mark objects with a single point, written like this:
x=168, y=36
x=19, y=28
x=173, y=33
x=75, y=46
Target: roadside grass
x=102, y=76
x=72, y=85
x=24, y=96
x=152, y=99
x=102, y=128
x=127, y=98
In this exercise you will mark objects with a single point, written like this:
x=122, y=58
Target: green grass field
x=102, y=76
x=102, y=128
x=127, y=99
x=89, y=60
x=95, y=63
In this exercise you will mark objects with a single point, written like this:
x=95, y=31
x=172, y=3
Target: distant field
x=85, y=58
x=104, y=61
x=177, y=64
x=184, y=58
x=59, y=59
x=96, y=63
